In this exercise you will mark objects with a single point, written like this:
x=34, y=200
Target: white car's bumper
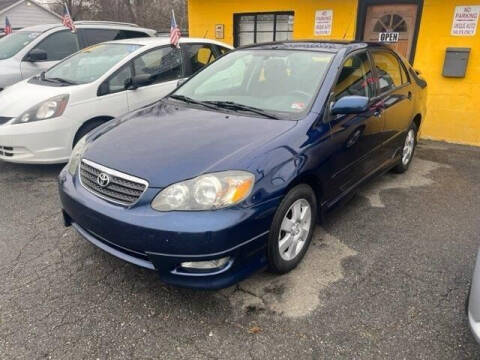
x=39, y=142
x=474, y=301
x=474, y=326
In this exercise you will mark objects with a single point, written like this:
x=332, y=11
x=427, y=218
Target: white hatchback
x=43, y=117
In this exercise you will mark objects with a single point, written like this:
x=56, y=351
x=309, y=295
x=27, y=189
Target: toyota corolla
x=230, y=172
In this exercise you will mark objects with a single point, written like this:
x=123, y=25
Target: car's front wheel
x=292, y=229
x=408, y=150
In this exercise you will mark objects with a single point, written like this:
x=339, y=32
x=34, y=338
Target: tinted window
x=388, y=71
x=197, y=56
x=222, y=50
x=117, y=82
x=355, y=78
x=95, y=36
x=59, y=45
x=162, y=64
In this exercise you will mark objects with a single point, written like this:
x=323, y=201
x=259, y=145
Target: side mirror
x=181, y=82
x=350, y=105
x=36, y=55
x=138, y=81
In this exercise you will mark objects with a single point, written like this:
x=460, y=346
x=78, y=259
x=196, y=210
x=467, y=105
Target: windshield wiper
x=59, y=80
x=189, y=100
x=241, y=107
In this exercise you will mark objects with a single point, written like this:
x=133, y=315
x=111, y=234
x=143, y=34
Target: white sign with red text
x=465, y=20
x=323, y=22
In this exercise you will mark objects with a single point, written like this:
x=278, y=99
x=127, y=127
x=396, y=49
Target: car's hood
x=18, y=98
x=165, y=144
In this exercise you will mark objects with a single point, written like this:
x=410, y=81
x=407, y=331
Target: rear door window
x=197, y=56
x=94, y=36
x=222, y=50
x=59, y=45
x=388, y=71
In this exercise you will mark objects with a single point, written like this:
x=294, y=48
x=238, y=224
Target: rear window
x=95, y=36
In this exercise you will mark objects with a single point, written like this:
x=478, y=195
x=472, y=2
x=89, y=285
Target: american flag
x=67, y=19
x=175, y=33
x=8, y=28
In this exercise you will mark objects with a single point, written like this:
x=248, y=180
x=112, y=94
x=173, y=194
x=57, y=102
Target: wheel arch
x=417, y=120
x=317, y=186
x=97, y=119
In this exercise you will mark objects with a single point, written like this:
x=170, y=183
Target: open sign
x=390, y=37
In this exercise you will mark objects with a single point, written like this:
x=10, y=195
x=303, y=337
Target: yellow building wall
x=204, y=14
x=453, y=104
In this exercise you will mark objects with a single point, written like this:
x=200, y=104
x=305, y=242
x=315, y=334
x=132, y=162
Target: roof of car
x=89, y=24
x=314, y=45
x=164, y=40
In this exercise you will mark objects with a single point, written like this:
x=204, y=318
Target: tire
x=411, y=143
x=287, y=216
x=85, y=129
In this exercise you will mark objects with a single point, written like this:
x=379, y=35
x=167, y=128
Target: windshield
x=89, y=64
x=280, y=81
x=13, y=43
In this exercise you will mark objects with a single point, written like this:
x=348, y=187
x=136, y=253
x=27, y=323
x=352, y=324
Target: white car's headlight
x=76, y=156
x=48, y=109
x=206, y=192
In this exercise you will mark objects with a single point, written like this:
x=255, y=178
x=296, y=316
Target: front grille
x=121, y=189
x=4, y=120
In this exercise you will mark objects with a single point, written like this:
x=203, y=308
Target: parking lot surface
x=385, y=278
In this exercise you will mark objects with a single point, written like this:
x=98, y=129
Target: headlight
x=49, y=109
x=76, y=156
x=206, y=192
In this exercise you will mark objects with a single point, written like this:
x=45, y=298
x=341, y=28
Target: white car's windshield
x=280, y=81
x=89, y=64
x=13, y=43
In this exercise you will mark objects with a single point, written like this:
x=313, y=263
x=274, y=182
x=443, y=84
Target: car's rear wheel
x=408, y=150
x=292, y=229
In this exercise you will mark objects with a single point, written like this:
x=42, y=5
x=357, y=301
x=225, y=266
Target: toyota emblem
x=103, y=180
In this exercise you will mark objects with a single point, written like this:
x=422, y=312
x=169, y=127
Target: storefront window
x=263, y=27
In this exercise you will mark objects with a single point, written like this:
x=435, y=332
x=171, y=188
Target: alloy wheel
x=408, y=147
x=294, y=229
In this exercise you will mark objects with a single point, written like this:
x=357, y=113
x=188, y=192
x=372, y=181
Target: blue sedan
x=230, y=173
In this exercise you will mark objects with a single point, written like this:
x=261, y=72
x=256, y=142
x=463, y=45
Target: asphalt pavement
x=385, y=278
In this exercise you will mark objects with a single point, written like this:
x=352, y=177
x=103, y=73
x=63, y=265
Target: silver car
x=473, y=304
x=35, y=49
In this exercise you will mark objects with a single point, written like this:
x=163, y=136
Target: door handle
x=409, y=95
x=378, y=112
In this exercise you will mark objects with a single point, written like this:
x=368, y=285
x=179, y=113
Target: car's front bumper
x=39, y=142
x=163, y=241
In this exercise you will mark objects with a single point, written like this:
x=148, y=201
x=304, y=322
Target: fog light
x=211, y=264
